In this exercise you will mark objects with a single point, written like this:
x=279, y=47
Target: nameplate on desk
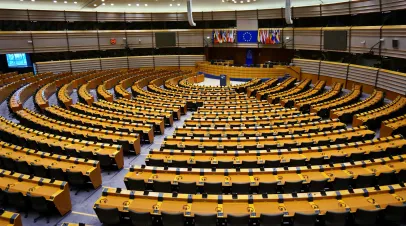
x=200, y=146
x=240, y=146
x=260, y=146
x=214, y=162
x=220, y=146
x=181, y=145
x=190, y=134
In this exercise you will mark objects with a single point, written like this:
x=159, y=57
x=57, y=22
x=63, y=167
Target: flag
x=269, y=36
x=247, y=36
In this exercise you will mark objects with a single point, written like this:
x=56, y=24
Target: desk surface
x=255, y=176
x=284, y=155
x=223, y=205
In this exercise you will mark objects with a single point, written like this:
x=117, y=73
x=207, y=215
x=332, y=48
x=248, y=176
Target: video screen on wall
x=165, y=39
x=18, y=60
x=335, y=40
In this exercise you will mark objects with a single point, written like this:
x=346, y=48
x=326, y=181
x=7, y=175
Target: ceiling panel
x=153, y=5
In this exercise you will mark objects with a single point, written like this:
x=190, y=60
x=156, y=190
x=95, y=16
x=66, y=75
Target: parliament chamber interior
x=203, y=112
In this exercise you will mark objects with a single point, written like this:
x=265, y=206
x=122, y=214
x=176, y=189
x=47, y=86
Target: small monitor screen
x=165, y=39
x=18, y=60
x=335, y=40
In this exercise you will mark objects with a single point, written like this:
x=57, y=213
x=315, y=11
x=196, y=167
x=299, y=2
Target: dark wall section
x=259, y=55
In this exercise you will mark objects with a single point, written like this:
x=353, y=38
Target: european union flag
x=247, y=36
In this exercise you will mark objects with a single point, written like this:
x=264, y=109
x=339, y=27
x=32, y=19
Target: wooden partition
x=392, y=82
x=184, y=62
x=247, y=72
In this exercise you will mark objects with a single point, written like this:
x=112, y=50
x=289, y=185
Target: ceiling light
x=95, y=5
x=178, y=4
x=102, y=0
x=170, y=4
x=65, y=2
x=112, y=4
x=33, y=0
x=129, y=4
x=75, y=2
x=138, y=4
x=103, y=3
x=146, y=4
x=55, y=1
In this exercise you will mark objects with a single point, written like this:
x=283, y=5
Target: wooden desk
x=263, y=94
x=274, y=98
x=324, y=107
x=256, y=175
x=48, y=142
x=176, y=111
x=264, y=142
x=397, y=105
x=300, y=128
x=255, y=205
x=251, y=91
x=283, y=155
x=303, y=118
x=10, y=219
x=305, y=104
x=128, y=141
x=158, y=121
x=145, y=131
x=244, y=114
x=346, y=113
x=54, y=191
x=89, y=168
x=289, y=101
x=393, y=125
x=134, y=110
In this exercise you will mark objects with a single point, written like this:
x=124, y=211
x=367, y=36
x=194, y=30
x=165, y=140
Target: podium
x=224, y=80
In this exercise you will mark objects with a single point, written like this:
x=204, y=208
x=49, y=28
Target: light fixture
x=33, y=0
x=129, y=4
x=102, y=0
x=103, y=3
x=170, y=4
x=75, y=2
x=146, y=4
x=138, y=4
x=94, y=5
x=65, y=2
x=112, y=4
x=178, y=4
x=55, y=1
x=239, y=1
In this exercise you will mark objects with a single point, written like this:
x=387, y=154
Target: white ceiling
x=153, y=5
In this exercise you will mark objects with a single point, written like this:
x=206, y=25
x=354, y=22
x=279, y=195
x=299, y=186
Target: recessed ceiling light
x=65, y=2
x=129, y=4
x=33, y=0
x=170, y=4
x=75, y=2
x=138, y=4
x=103, y=3
x=55, y=1
x=102, y=0
x=146, y=4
